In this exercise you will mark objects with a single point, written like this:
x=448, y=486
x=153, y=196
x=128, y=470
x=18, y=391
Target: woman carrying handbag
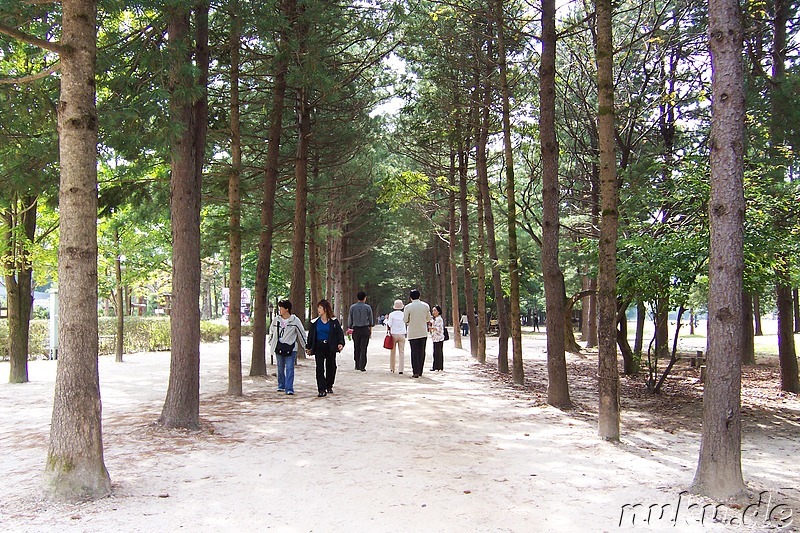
x=396, y=327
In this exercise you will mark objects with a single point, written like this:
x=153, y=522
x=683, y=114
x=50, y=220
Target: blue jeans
x=286, y=371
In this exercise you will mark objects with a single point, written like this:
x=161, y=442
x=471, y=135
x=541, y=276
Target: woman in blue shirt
x=325, y=340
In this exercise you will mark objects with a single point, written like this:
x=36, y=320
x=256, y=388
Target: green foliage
x=38, y=341
x=142, y=334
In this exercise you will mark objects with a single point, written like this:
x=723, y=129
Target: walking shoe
x=322, y=394
x=290, y=392
x=280, y=390
x=329, y=391
x=399, y=372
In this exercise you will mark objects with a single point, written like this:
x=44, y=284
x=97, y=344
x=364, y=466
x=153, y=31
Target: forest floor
x=459, y=450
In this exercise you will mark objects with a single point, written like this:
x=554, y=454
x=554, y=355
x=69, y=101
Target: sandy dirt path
x=452, y=451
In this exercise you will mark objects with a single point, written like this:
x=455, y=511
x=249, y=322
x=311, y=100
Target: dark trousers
x=418, y=354
x=326, y=369
x=360, y=342
x=438, y=355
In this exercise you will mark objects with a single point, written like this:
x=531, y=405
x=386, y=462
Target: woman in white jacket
x=397, y=328
x=285, y=333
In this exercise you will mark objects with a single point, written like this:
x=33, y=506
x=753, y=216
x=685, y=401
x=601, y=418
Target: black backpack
x=446, y=335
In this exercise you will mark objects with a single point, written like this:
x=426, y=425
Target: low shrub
x=142, y=334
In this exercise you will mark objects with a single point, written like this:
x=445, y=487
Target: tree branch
x=30, y=39
x=33, y=77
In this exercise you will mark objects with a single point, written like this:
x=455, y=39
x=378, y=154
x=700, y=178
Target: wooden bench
x=697, y=360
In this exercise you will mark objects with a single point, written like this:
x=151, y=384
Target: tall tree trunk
x=757, y=314
x=557, y=385
x=796, y=299
x=662, y=325
x=787, y=355
x=298, y=284
x=608, y=373
x=719, y=468
x=481, y=272
x=480, y=265
x=748, y=340
x=469, y=296
x=481, y=169
x=313, y=267
x=442, y=278
x=518, y=371
x=589, y=326
x=641, y=316
x=258, y=362
x=182, y=404
x=235, y=220
x=451, y=224
x=630, y=359
x=19, y=282
x=75, y=469
x=119, y=300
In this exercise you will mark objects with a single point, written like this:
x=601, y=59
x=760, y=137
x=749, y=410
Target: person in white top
x=397, y=327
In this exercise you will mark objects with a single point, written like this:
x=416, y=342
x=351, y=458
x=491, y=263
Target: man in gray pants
x=361, y=321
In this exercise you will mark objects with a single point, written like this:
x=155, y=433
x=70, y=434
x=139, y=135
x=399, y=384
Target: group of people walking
x=413, y=322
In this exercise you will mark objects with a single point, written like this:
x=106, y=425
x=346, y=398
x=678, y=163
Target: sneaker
x=329, y=391
x=280, y=390
x=290, y=392
x=399, y=372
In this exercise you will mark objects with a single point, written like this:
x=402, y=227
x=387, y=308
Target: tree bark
x=518, y=371
x=630, y=359
x=119, y=347
x=235, y=217
x=182, y=404
x=451, y=226
x=719, y=468
x=757, y=314
x=258, y=363
x=469, y=296
x=19, y=282
x=608, y=373
x=787, y=355
x=481, y=273
x=555, y=305
x=748, y=340
x=298, y=284
x=313, y=268
x=481, y=170
x=75, y=469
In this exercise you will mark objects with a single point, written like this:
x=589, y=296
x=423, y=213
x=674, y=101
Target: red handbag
x=388, y=342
